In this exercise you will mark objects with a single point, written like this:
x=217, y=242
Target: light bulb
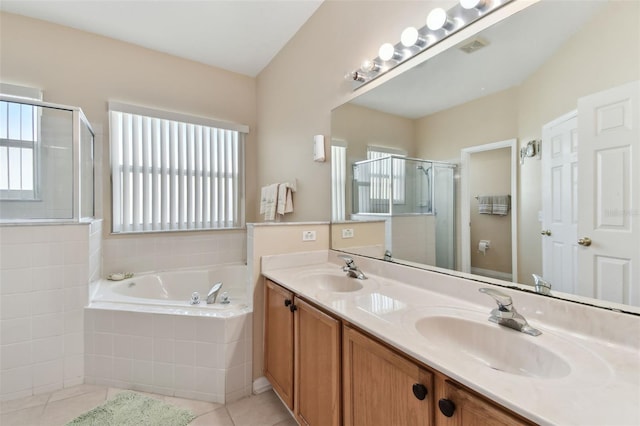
x=369, y=66
x=473, y=4
x=386, y=52
x=438, y=19
x=409, y=37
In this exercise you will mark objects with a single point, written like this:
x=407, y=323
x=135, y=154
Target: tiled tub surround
x=142, y=333
x=601, y=346
x=44, y=276
x=186, y=356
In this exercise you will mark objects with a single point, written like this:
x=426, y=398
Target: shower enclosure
x=46, y=162
x=416, y=198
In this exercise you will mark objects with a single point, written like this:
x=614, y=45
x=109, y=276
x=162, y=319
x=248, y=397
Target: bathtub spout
x=213, y=293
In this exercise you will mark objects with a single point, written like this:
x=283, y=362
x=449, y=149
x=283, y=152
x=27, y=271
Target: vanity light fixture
x=411, y=37
x=388, y=52
x=439, y=19
x=369, y=66
x=440, y=24
x=474, y=4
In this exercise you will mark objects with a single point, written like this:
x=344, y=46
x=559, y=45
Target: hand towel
x=285, y=198
x=268, y=200
x=501, y=205
x=485, y=204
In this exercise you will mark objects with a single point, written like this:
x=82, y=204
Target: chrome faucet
x=542, y=286
x=351, y=269
x=506, y=315
x=213, y=293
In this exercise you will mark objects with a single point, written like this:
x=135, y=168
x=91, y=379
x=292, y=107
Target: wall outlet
x=308, y=235
x=347, y=233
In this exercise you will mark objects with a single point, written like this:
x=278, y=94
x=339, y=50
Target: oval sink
x=494, y=346
x=339, y=284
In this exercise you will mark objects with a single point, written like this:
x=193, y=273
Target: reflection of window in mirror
x=338, y=180
x=382, y=171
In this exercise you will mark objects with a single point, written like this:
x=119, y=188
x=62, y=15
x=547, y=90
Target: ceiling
x=237, y=35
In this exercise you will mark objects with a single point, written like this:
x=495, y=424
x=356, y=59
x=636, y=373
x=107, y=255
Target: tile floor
x=59, y=407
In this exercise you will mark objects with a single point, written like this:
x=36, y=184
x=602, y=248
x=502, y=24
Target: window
x=338, y=180
x=382, y=171
x=19, y=147
x=175, y=172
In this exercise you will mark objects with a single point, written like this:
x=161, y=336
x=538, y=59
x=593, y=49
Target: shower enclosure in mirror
x=46, y=162
x=415, y=200
x=535, y=67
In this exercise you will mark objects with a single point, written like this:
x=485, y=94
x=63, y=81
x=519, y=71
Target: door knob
x=585, y=241
x=546, y=232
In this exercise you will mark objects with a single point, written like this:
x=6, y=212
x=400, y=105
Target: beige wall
x=490, y=174
x=368, y=238
x=81, y=69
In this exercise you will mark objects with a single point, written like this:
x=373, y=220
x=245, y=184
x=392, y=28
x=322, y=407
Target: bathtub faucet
x=213, y=293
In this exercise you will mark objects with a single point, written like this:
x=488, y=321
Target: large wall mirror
x=513, y=154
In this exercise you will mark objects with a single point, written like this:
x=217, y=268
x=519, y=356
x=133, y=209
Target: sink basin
x=494, y=346
x=339, y=284
x=332, y=281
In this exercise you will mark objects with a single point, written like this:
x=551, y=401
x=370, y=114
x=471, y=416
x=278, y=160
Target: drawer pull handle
x=420, y=391
x=447, y=407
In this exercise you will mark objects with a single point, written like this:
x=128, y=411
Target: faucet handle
x=505, y=304
x=347, y=259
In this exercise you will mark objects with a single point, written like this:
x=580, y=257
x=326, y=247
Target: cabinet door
x=278, y=337
x=379, y=385
x=317, y=366
x=466, y=408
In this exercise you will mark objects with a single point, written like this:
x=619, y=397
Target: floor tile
x=62, y=411
x=22, y=403
x=196, y=407
x=73, y=392
x=25, y=417
x=264, y=409
x=219, y=417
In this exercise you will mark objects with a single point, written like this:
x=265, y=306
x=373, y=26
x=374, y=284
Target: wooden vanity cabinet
x=381, y=387
x=460, y=407
x=328, y=373
x=303, y=357
x=278, y=338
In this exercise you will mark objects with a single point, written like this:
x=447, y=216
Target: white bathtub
x=142, y=333
x=171, y=292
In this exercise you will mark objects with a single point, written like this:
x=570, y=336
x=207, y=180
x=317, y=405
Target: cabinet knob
x=420, y=391
x=447, y=407
x=287, y=302
x=293, y=308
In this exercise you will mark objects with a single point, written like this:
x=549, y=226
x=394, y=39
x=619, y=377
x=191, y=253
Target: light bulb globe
x=436, y=19
x=409, y=37
x=386, y=51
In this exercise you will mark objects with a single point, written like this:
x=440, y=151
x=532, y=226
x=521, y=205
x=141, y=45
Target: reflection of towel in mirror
x=485, y=205
x=268, y=200
x=501, y=205
x=285, y=197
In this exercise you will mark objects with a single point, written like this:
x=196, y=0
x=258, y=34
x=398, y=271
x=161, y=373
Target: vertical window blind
x=175, y=175
x=384, y=173
x=338, y=182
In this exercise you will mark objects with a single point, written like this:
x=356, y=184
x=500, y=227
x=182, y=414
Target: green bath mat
x=132, y=409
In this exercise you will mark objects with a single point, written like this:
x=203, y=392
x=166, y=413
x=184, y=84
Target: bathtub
x=142, y=333
x=171, y=292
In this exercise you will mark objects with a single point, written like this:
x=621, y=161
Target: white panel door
x=609, y=195
x=560, y=202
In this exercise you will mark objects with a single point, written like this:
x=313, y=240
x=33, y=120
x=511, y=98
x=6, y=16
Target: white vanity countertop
x=602, y=388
